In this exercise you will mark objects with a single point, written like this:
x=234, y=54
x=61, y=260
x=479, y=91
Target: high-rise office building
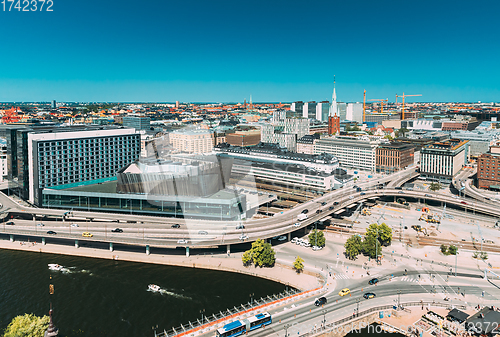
x=44, y=157
x=54, y=105
x=354, y=112
x=137, y=122
x=322, y=109
x=309, y=110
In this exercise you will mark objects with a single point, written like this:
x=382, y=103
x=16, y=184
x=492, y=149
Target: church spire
x=333, y=107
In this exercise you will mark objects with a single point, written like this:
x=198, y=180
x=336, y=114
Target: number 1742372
x=27, y=5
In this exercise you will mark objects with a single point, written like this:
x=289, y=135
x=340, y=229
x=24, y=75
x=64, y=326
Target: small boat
x=57, y=267
x=154, y=287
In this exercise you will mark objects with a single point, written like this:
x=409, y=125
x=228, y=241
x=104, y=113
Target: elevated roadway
x=157, y=231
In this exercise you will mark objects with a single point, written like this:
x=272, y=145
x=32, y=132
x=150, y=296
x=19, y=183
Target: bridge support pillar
x=111, y=246
x=228, y=248
x=11, y=238
x=148, y=251
x=289, y=236
x=77, y=244
x=43, y=241
x=187, y=251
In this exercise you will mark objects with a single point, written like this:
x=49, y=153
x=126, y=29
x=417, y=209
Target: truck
x=301, y=217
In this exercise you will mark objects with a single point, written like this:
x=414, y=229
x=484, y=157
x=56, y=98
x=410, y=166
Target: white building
x=442, y=160
x=192, y=141
x=285, y=132
x=354, y=112
x=270, y=164
x=352, y=152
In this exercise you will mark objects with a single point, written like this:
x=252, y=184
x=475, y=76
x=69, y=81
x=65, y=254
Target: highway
x=157, y=231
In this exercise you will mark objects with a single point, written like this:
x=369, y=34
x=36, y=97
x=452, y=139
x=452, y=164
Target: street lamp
x=324, y=317
x=286, y=326
x=251, y=299
x=357, y=307
x=399, y=299
x=202, y=311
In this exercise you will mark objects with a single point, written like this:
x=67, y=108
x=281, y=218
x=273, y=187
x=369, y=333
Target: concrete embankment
x=279, y=273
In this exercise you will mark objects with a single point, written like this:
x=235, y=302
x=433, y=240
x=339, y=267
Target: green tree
x=27, y=325
x=317, y=238
x=247, y=258
x=452, y=250
x=401, y=132
x=444, y=249
x=435, y=187
x=298, y=265
x=371, y=247
x=382, y=232
x=263, y=254
x=389, y=137
x=353, y=247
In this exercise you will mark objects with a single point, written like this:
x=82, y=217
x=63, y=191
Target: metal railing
x=330, y=326
x=221, y=315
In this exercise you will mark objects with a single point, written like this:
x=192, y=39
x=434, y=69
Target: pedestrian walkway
x=409, y=279
x=341, y=276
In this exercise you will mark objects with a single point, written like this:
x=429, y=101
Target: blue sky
x=274, y=50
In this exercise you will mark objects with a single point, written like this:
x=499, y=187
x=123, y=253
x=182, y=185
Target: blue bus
x=243, y=326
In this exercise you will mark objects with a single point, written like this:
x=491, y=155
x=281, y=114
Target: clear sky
x=274, y=50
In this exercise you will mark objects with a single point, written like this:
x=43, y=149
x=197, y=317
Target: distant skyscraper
x=177, y=104
x=322, y=109
x=53, y=104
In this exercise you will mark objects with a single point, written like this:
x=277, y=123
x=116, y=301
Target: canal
x=95, y=297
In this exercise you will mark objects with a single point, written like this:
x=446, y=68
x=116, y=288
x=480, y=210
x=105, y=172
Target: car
x=40, y=224
x=336, y=203
x=373, y=281
x=362, y=193
x=401, y=192
x=318, y=211
x=305, y=211
x=117, y=230
x=51, y=232
x=323, y=203
x=74, y=225
x=380, y=187
x=428, y=195
x=297, y=224
x=320, y=301
x=369, y=295
x=351, y=197
x=243, y=237
x=344, y=292
x=294, y=240
x=282, y=238
x=175, y=226
x=10, y=223
x=87, y=235
x=182, y=241
x=240, y=227
x=202, y=232
x=463, y=202
x=317, y=248
x=331, y=208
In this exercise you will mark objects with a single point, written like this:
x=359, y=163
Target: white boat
x=53, y=266
x=154, y=287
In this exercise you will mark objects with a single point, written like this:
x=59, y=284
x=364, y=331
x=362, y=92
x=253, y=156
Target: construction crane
x=364, y=103
x=381, y=103
x=403, y=108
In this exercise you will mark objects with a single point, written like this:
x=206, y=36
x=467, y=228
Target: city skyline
x=225, y=52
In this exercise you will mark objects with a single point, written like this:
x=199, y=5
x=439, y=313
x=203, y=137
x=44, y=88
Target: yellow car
x=344, y=292
x=87, y=235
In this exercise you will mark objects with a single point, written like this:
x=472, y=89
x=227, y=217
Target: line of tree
x=261, y=254
x=371, y=244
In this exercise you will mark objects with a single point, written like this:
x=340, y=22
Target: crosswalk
x=409, y=279
x=340, y=276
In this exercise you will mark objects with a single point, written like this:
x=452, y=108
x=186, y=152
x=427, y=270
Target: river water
x=97, y=297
